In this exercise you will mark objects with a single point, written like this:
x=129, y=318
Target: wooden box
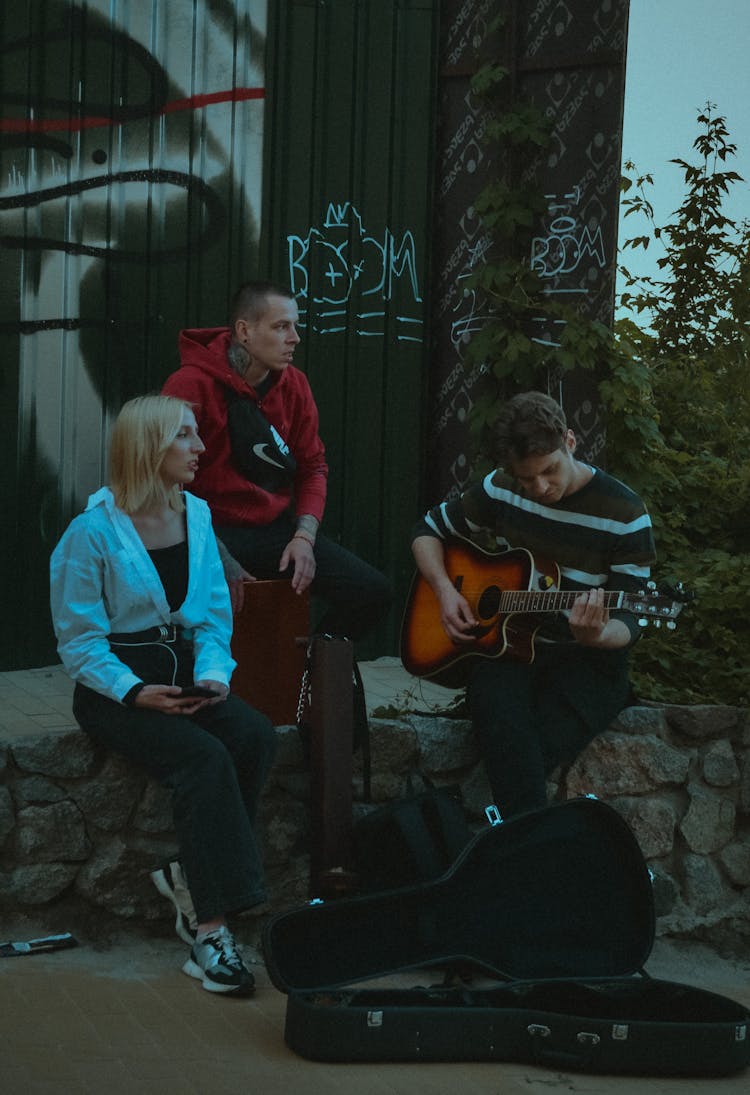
x=270, y=659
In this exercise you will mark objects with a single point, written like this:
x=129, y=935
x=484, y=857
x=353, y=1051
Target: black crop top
x=172, y=566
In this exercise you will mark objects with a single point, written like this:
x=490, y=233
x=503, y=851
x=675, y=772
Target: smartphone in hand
x=197, y=691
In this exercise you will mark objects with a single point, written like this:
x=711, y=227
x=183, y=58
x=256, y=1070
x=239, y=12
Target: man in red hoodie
x=273, y=528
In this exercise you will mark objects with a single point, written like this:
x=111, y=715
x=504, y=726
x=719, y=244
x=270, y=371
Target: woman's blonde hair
x=143, y=431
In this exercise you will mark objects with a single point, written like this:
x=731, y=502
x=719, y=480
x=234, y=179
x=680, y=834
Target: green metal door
x=350, y=95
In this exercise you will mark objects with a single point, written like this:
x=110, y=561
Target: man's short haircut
x=529, y=424
x=250, y=300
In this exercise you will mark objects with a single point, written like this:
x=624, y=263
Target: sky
x=682, y=53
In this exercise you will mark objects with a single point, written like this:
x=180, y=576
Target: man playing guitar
x=535, y=714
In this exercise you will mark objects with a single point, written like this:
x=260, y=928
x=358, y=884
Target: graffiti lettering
x=563, y=249
x=567, y=242
x=328, y=263
x=479, y=250
x=469, y=323
x=560, y=252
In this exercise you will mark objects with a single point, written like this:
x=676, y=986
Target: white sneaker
x=216, y=961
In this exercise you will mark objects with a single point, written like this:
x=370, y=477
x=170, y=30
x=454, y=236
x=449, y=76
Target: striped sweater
x=600, y=536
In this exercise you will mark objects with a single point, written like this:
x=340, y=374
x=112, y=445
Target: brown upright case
x=270, y=660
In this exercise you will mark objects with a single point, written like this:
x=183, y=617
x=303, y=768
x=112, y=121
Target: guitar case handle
x=581, y=1058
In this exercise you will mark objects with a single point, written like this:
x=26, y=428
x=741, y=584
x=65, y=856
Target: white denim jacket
x=102, y=580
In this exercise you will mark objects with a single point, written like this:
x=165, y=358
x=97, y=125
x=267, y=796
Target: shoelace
x=224, y=943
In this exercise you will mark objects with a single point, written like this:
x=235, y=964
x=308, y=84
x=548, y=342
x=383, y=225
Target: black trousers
x=215, y=762
x=531, y=718
x=356, y=596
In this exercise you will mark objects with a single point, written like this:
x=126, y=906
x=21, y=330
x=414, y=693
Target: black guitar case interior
x=555, y=910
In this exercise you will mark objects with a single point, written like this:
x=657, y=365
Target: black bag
x=258, y=450
x=411, y=840
x=557, y=906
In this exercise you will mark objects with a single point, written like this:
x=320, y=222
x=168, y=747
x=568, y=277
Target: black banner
x=568, y=58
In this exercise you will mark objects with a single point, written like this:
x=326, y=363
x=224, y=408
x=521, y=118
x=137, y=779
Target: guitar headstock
x=652, y=605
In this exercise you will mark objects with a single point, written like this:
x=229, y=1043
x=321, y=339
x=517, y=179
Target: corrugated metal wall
x=130, y=206
x=130, y=191
x=351, y=97
x=154, y=154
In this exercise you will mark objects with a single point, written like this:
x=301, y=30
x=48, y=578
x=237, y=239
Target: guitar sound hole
x=489, y=603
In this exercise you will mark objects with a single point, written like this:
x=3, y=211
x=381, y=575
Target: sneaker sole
x=192, y=969
x=181, y=924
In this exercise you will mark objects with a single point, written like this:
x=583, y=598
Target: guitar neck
x=552, y=600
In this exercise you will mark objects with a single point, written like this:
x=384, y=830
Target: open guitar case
x=553, y=910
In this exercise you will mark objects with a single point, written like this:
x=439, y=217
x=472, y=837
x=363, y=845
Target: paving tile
x=54, y=720
x=40, y=699
x=60, y=703
x=94, y=1025
x=28, y=703
x=15, y=721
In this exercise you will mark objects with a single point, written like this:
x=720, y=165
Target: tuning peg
x=671, y=625
x=678, y=592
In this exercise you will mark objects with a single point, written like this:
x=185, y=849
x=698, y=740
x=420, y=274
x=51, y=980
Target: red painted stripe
x=75, y=125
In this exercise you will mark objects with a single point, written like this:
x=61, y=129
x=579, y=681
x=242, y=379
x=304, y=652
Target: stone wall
x=79, y=825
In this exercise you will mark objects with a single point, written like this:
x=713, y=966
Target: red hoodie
x=202, y=379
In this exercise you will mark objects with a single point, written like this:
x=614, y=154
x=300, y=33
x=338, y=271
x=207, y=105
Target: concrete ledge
x=77, y=823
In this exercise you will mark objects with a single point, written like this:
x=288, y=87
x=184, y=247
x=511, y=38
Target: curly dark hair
x=529, y=424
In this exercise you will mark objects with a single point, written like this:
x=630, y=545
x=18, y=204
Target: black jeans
x=355, y=594
x=215, y=762
x=531, y=718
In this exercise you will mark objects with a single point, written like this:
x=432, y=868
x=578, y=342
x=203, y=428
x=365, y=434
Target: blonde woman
x=143, y=620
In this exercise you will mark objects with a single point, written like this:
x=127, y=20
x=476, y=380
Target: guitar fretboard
x=552, y=600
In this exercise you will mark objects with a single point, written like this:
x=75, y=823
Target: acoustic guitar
x=509, y=594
